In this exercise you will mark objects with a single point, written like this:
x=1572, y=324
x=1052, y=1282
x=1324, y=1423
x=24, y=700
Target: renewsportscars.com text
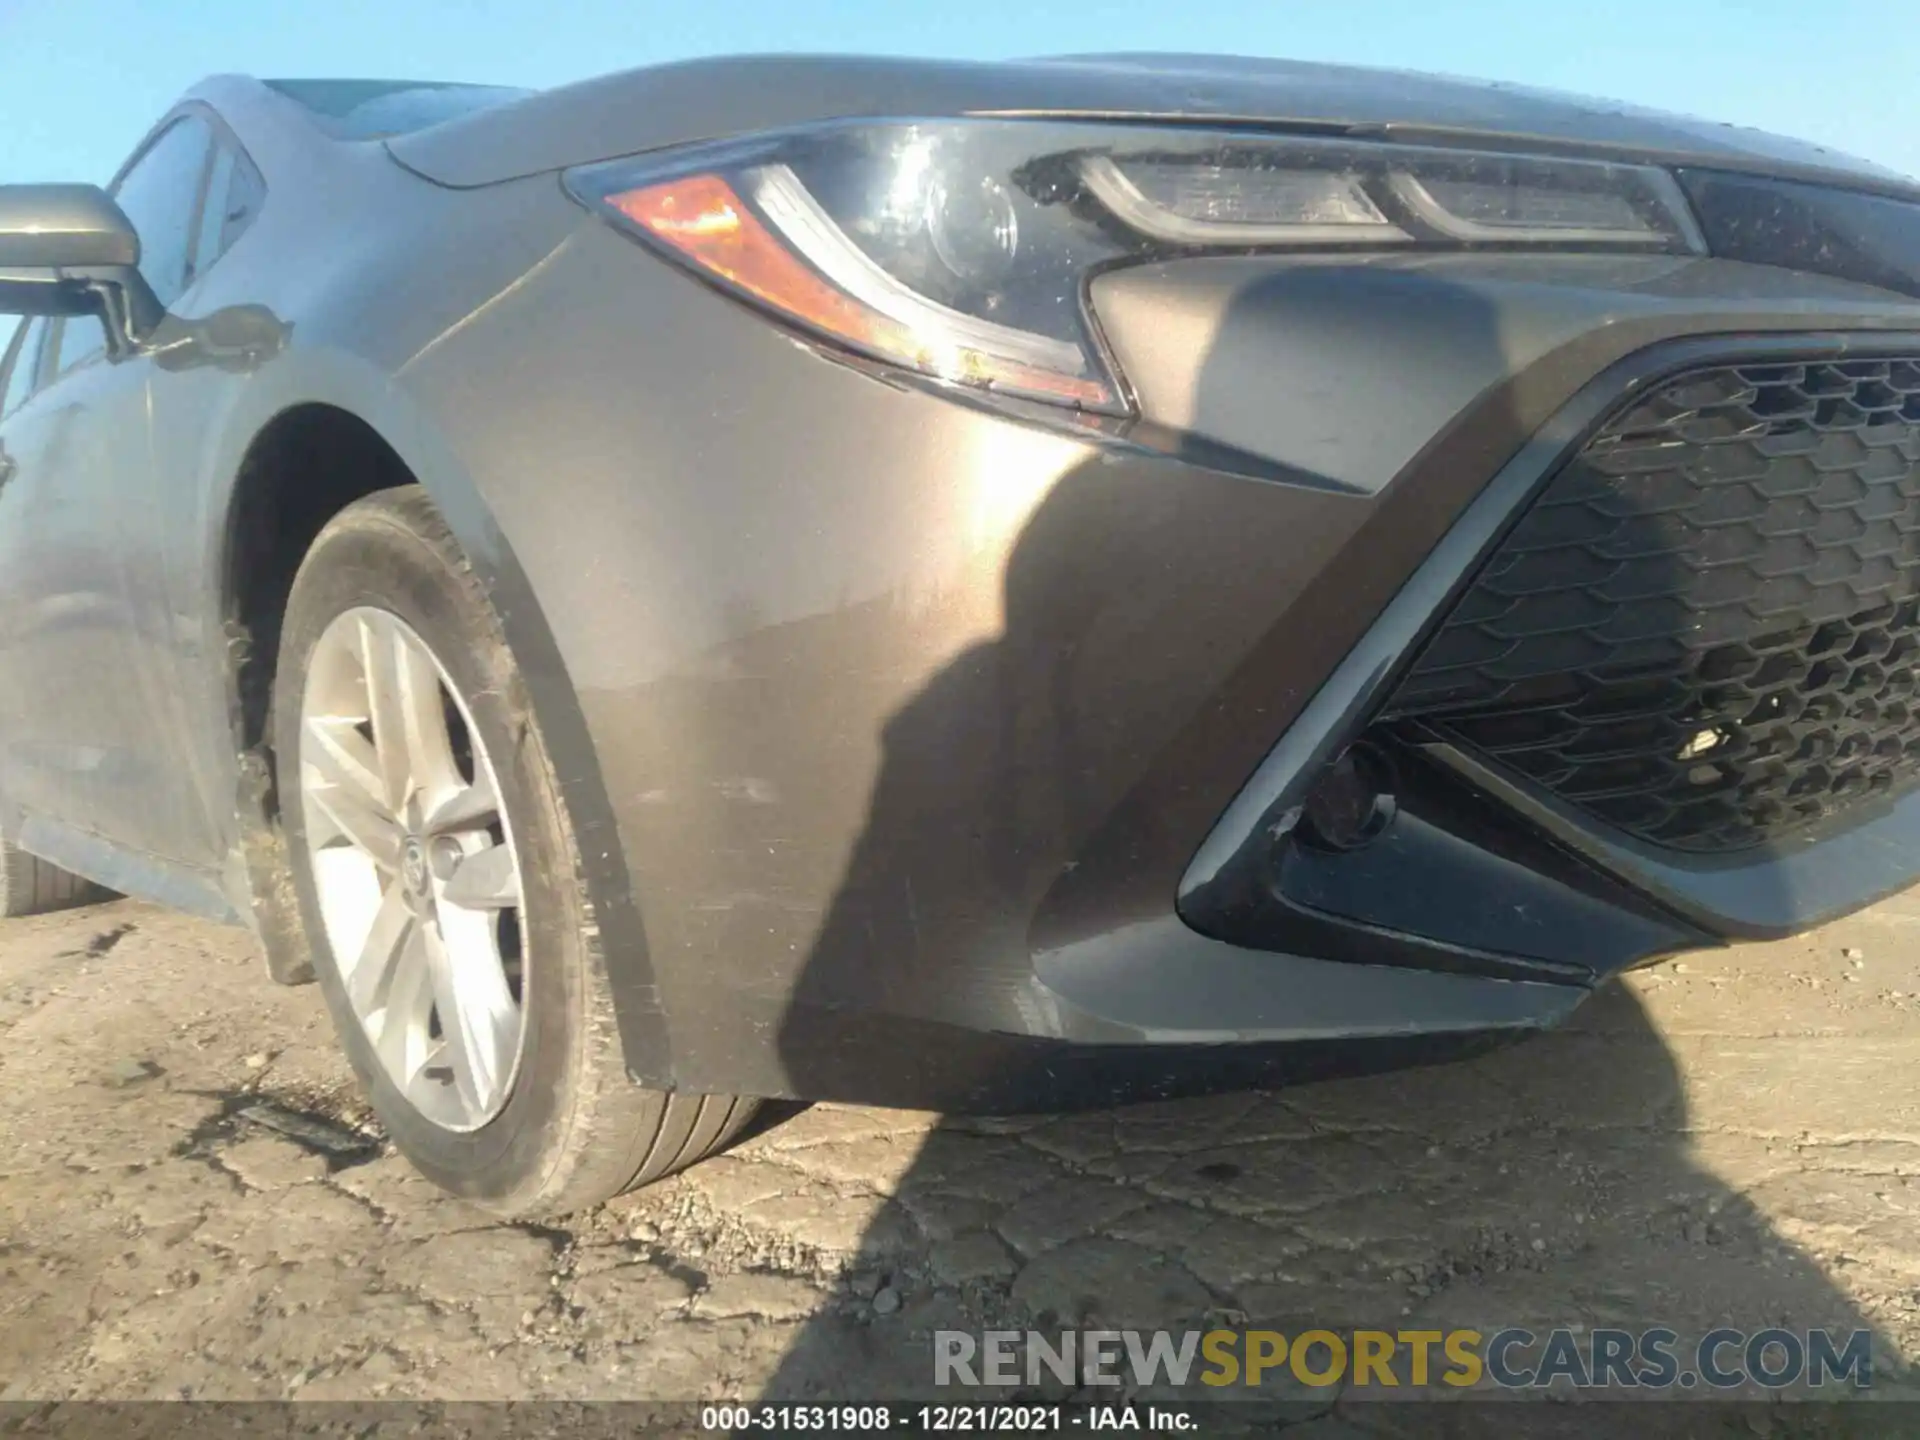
x=1511, y=1358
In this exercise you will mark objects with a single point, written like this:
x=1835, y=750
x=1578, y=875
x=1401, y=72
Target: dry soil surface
x=192, y=1203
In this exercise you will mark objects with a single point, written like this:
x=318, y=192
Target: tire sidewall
x=372, y=558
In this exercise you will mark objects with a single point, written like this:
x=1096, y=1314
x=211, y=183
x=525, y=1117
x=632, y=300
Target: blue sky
x=80, y=80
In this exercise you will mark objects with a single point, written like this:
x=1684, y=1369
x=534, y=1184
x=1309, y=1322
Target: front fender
x=327, y=376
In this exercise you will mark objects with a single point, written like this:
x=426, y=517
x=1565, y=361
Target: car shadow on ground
x=1558, y=1182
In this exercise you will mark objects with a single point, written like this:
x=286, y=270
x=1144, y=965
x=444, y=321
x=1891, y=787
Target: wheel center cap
x=413, y=866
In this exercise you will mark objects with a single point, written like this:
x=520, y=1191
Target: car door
x=19, y=373
x=79, y=748
x=20, y=383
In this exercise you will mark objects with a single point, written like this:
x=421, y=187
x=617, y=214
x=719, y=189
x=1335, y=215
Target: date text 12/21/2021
x=962, y=1419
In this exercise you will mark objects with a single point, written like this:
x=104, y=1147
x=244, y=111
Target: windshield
x=376, y=109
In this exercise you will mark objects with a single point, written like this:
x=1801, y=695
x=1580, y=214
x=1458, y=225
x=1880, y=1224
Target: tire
x=573, y=1129
x=32, y=886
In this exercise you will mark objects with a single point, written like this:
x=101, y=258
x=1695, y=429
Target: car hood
x=640, y=110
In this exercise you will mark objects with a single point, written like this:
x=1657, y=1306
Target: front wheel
x=439, y=883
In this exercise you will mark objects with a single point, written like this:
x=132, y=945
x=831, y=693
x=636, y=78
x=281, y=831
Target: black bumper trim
x=1779, y=888
x=1854, y=867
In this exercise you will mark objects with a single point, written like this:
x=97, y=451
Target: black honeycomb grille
x=1706, y=630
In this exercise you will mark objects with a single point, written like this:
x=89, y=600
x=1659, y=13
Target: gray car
x=968, y=586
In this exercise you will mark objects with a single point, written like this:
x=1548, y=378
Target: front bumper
x=914, y=739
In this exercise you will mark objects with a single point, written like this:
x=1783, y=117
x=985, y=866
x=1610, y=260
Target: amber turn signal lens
x=705, y=220
x=702, y=218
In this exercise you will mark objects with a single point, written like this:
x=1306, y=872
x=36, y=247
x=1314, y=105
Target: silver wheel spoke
x=349, y=790
x=414, y=901
x=402, y=1039
x=371, y=979
x=469, y=808
x=384, y=712
x=429, y=744
x=486, y=880
x=469, y=1031
x=409, y=718
x=342, y=754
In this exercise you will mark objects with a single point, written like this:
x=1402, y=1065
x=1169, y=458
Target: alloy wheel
x=415, y=867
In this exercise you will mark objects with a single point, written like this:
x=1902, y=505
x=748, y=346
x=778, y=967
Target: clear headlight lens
x=962, y=248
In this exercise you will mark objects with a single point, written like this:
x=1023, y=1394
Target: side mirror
x=69, y=250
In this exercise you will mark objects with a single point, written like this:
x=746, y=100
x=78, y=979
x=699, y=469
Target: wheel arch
x=299, y=419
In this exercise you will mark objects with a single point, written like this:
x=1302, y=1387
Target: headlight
x=1869, y=239
x=962, y=248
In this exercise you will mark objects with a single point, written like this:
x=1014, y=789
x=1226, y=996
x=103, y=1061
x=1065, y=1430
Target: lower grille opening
x=1705, y=630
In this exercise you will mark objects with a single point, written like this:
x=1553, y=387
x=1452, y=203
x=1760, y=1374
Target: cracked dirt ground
x=1735, y=1138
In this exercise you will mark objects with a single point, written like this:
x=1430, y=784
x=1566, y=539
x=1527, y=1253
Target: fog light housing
x=1352, y=804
